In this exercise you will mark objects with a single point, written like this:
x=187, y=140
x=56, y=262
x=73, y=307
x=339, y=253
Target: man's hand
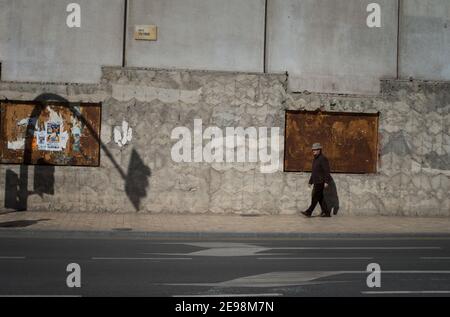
x=309, y=185
x=326, y=185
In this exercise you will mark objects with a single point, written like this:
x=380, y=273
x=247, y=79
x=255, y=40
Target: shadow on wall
x=136, y=182
x=16, y=186
x=16, y=189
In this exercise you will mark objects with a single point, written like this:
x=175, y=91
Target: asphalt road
x=225, y=267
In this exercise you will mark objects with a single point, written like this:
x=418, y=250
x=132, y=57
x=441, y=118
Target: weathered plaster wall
x=141, y=107
x=414, y=163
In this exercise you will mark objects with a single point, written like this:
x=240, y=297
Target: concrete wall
x=414, y=167
x=326, y=46
x=425, y=39
x=199, y=34
x=37, y=45
x=4, y=12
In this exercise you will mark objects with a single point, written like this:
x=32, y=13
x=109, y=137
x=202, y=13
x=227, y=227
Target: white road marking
x=362, y=238
x=397, y=272
x=275, y=284
x=360, y=248
x=435, y=258
x=131, y=259
x=12, y=257
x=272, y=279
x=303, y=258
x=293, y=278
x=405, y=292
x=233, y=249
x=221, y=249
x=418, y=272
x=212, y=245
x=225, y=252
x=40, y=296
x=236, y=245
x=233, y=295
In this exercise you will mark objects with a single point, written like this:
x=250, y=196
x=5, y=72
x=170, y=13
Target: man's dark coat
x=321, y=174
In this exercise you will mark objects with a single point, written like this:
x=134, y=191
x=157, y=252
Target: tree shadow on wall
x=16, y=187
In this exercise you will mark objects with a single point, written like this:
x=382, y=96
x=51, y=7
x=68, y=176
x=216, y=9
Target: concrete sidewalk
x=164, y=225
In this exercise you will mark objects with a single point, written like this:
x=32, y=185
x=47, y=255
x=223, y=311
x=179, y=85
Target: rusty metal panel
x=349, y=140
x=53, y=133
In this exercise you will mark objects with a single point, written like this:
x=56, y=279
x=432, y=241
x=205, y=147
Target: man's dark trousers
x=317, y=197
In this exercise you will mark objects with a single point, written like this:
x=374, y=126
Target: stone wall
x=414, y=161
x=139, y=174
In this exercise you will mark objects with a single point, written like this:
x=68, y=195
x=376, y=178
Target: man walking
x=320, y=178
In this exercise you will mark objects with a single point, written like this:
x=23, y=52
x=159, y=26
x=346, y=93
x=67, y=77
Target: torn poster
x=53, y=132
x=41, y=140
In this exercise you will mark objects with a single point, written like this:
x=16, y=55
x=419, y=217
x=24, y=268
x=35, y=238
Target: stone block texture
x=138, y=174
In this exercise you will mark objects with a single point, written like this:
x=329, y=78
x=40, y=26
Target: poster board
x=53, y=133
x=349, y=140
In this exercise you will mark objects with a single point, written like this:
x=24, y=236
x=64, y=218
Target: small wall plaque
x=145, y=32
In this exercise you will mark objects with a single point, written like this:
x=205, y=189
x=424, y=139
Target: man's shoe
x=335, y=210
x=306, y=214
x=325, y=215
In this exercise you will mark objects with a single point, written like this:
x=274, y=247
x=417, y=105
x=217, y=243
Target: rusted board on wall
x=349, y=140
x=54, y=133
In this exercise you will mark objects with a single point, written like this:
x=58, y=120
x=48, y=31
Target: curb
x=23, y=233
